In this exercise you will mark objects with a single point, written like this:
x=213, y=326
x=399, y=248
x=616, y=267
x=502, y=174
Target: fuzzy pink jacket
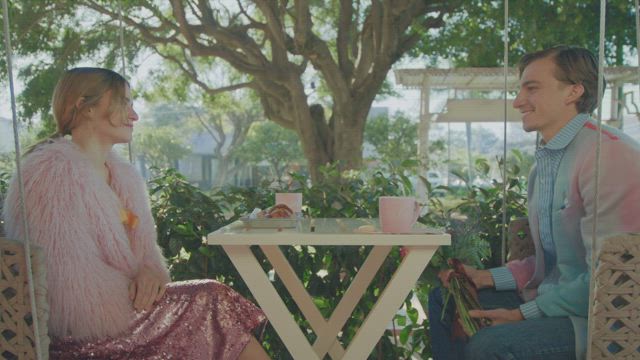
x=91, y=257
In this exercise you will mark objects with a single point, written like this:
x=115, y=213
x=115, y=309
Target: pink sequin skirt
x=198, y=319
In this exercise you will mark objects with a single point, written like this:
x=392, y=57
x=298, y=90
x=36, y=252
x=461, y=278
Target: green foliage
x=160, y=146
x=184, y=215
x=270, y=142
x=4, y=181
x=7, y=163
x=5, y=177
x=54, y=36
x=533, y=25
x=220, y=122
x=476, y=222
x=393, y=139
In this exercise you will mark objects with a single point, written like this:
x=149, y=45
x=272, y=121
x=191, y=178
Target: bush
x=4, y=185
x=185, y=215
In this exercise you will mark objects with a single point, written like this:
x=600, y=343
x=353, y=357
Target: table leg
x=352, y=296
x=327, y=331
x=304, y=301
x=270, y=302
x=389, y=302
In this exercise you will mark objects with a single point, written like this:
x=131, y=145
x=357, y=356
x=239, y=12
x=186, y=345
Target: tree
x=225, y=117
x=228, y=126
x=348, y=45
x=533, y=25
x=393, y=139
x=272, y=143
x=159, y=145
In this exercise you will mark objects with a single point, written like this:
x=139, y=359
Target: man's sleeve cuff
x=503, y=279
x=530, y=310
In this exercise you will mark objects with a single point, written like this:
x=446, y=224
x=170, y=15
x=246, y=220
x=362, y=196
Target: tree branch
x=192, y=74
x=147, y=32
x=184, y=26
x=303, y=24
x=274, y=31
x=345, y=21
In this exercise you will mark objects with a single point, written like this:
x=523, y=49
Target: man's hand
x=146, y=288
x=481, y=278
x=498, y=316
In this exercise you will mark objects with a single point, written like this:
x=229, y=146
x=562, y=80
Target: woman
x=108, y=284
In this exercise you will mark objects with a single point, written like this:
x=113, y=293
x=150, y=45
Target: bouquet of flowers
x=465, y=297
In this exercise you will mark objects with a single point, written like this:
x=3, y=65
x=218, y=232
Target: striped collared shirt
x=547, y=161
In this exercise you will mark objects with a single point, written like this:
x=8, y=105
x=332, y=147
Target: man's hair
x=574, y=65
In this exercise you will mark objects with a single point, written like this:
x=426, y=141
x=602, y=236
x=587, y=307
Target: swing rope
x=23, y=208
x=638, y=41
x=603, y=9
x=503, y=252
x=123, y=67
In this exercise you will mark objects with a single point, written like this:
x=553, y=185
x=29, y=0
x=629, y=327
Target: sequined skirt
x=198, y=319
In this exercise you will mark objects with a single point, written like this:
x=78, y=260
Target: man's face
x=545, y=103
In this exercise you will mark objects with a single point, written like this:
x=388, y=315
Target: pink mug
x=398, y=213
x=292, y=200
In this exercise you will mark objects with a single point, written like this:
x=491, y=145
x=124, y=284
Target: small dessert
x=278, y=211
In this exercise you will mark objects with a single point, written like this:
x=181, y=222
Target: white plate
x=270, y=223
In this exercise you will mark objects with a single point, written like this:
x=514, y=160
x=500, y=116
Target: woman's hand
x=498, y=316
x=481, y=278
x=146, y=288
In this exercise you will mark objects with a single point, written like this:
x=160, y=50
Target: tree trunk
x=222, y=171
x=337, y=139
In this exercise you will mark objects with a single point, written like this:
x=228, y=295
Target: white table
x=236, y=239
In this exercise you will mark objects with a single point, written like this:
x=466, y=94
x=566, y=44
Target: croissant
x=279, y=211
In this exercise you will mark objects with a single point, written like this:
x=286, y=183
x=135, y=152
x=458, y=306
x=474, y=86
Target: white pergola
x=487, y=79
x=488, y=110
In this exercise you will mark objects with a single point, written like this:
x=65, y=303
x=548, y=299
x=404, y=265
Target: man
x=539, y=306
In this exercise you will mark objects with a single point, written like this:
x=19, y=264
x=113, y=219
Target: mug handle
x=416, y=211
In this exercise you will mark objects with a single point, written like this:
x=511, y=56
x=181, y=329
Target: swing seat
x=615, y=317
x=616, y=309
x=17, y=340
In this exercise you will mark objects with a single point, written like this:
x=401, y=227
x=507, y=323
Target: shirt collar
x=567, y=133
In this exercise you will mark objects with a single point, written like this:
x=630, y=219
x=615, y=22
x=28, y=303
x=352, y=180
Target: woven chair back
x=16, y=321
x=616, y=310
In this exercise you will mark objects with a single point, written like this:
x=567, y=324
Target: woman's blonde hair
x=88, y=84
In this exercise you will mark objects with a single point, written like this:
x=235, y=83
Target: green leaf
x=404, y=335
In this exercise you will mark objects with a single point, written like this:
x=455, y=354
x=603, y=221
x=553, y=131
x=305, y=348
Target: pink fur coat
x=91, y=257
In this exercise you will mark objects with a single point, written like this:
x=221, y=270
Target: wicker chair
x=16, y=328
x=616, y=312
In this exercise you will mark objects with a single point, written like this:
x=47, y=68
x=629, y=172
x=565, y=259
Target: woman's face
x=113, y=118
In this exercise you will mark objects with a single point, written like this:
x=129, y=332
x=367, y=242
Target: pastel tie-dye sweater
x=565, y=291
